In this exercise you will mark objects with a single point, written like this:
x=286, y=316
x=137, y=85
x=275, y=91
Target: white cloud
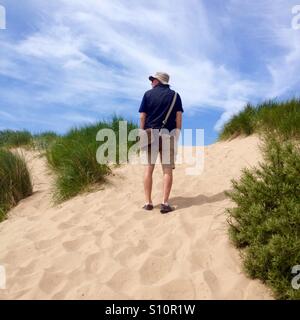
x=6, y=115
x=96, y=53
x=78, y=118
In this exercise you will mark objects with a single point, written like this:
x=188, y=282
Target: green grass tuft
x=10, y=138
x=73, y=158
x=15, y=181
x=283, y=118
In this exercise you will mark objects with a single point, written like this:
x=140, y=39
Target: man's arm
x=143, y=116
x=179, y=120
x=143, y=112
x=178, y=123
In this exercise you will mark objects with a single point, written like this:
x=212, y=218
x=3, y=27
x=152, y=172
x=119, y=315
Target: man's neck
x=161, y=85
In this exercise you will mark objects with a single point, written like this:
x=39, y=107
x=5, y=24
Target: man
x=153, y=110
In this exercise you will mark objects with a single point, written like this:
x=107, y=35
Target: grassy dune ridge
x=282, y=118
x=14, y=139
x=72, y=158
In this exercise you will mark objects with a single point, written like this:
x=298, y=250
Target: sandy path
x=103, y=246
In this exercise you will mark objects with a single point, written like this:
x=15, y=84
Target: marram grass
x=282, y=118
x=11, y=138
x=15, y=181
x=73, y=159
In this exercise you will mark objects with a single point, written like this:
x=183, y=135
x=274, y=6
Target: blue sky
x=68, y=62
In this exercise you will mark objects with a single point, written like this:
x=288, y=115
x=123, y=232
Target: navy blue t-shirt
x=156, y=103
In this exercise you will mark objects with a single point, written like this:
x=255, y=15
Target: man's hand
x=177, y=134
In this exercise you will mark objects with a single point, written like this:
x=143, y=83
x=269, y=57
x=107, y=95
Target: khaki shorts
x=166, y=148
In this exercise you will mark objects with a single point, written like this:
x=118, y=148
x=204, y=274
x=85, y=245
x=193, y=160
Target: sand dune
x=102, y=245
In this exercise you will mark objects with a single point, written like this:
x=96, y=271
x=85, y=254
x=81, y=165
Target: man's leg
x=151, y=152
x=167, y=157
x=148, y=182
x=168, y=165
x=168, y=181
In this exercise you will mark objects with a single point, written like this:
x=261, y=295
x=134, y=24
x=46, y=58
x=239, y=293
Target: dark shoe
x=148, y=207
x=165, y=208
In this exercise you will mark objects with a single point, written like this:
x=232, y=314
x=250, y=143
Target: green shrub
x=266, y=220
x=15, y=182
x=73, y=158
x=280, y=117
x=10, y=138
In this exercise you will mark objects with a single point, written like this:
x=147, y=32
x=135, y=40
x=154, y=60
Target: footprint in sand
x=213, y=282
x=108, y=294
x=155, y=268
x=51, y=281
x=130, y=253
x=200, y=259
x=19, y=295
x=98, y=238
x=64, y=225
x=161, y=252
x=123, y=280
x=237, y=288
x=77, y=277
x=34, y=218
x=126, y=255
x=70, y=222
x=28, y=269
x=87, y=228
x=141, y=247
x=62, y=215
x=66, y=262
x=172, y=242
x=202, y=289
x=34, y=235
x=74, y=245
x=178, y=289
x=46, y=244
x=151, y=222
x=93, y=291
x=94, y=263
x=22, y=282
x=125, y=231
x=19, y=256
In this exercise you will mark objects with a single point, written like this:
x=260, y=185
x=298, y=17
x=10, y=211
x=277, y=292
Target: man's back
x=156, y=103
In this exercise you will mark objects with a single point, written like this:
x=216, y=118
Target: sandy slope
x=103, y=246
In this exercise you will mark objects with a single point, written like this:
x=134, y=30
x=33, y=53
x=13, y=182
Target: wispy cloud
x=82, y=57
